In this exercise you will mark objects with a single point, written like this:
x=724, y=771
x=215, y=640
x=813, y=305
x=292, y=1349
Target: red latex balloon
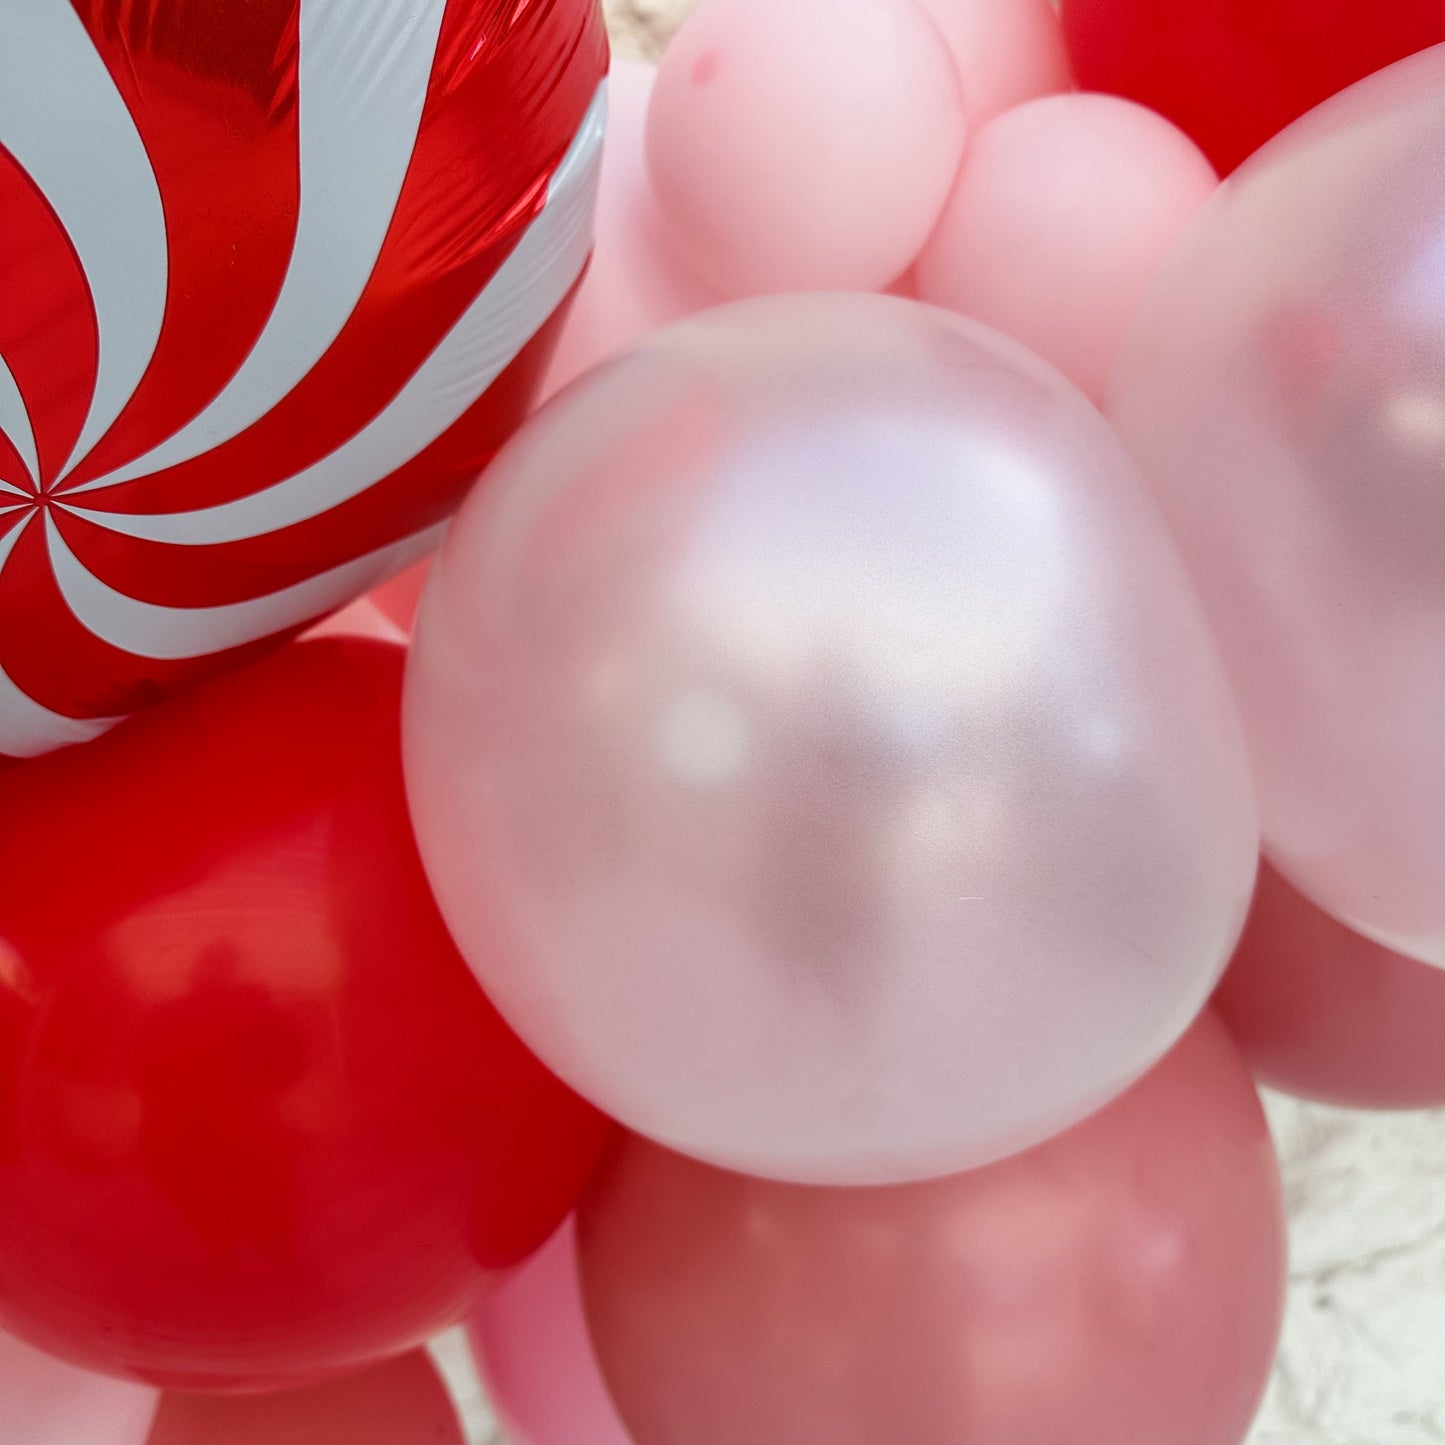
x=257, y=1122
x=1232, y=73
x=1323, y=1012
x=276, y=279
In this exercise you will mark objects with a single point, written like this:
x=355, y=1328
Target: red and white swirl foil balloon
x=275, y=281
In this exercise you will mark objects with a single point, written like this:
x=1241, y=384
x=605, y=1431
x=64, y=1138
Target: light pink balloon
x=1321, y=1011
x=804, y=146
x=1062, y=212
x=400, y=597
x=45, y=1402
x=817, y=751
x=362, y=618
x=638, y=279
x=1120, y=1285
x=531, y=1342
x=1285, y=389
x=400, y=1403
x=1006, y=51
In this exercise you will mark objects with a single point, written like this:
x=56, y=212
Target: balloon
x=1322, y=1012
x=1120, y=1285
x=45, y=1402
x=530, y=1338
x=637, y=281
x=1062, y=211
x=400, y=1403
x=362, y=618
x=277, y=280
x=806, y=146
x=1234, y=74
x=1284, y=388
x=816, y=749
x=399, y=598
x=257, y=1122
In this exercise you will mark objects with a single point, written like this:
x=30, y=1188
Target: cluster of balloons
x=783, y=950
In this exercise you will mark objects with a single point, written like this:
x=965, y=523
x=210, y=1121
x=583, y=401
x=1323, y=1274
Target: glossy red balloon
x=257, y=1121
x=1233, y=73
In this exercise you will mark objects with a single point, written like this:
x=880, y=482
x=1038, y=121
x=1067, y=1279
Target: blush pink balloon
x=817, y=751
x=1285, y=391
x=401, y=596
x=805, y=146
x=45, y=1402
x=1323, y=1012
x=1120, y=1285
x=637, y=280
x=531, y=1343
x=362, y=618
x=1063, y=210
x=400, y=1403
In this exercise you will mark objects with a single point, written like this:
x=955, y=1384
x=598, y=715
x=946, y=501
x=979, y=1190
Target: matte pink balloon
x=1285, y=389
x=45, y=1402
x=1006, y=51
x=1323, y=1012
x=817, y=751
x=400, y=1403
x=401, y=596
x=531, y=1342
x=362, y=618
x=1062, y=212
x=805, y=146
x=637, y=280
x=1120, y=1285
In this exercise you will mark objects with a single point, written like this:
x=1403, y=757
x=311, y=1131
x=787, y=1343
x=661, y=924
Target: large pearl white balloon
x=1285, y=389
x=817, y=749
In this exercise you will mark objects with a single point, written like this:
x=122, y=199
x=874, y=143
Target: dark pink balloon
x=1324, y=1012
x=1120, y=1285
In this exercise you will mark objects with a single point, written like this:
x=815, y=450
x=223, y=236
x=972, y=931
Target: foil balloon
x=46, y=1402
x=1284, y=388
x=817, y=749
x=275, y=280
x=258, y=1125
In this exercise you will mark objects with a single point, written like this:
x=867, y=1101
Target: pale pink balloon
x=1120, y=1285
x=362, y=618
x=1285, y=389
x=1321, y=1011
x=531, y=1343
x=637, y=280
x=817, y=751
x=45, y=1402
x=1062, y=211
x=1006, y=51
x=804, y=146
x=400, y=597
x=400, y=1403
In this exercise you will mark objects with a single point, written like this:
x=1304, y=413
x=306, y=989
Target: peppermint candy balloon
x=275, y=281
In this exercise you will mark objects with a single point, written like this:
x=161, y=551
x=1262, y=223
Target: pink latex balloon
x=400, y=598
x=817, y=751
x=400, y=1403
x=1006, y=51
x=804, y=146
x=531, y=1342
x=1322, y=1012
x=637, y=280
x=362, y=618
x=45, y=1402
x=1120, y=1285
x=1062, y=212
x=1285, y=389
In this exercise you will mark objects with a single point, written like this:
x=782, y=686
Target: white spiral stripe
x=26, y=728
x=63, y=120
x=172, y=633
x=18, y=491
x=510, y=310
x=364, y=67
x=15, y=423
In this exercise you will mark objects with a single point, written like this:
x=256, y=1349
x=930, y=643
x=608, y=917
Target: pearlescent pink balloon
x=804, y=146
x=1321, y=1011
x=45, y=1402
x=1121, y=1285
x=817, y=751
x=531, y=1342
x=637, y=280
x=1062, y=212
x=1006, y=51
x=1285, y=390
